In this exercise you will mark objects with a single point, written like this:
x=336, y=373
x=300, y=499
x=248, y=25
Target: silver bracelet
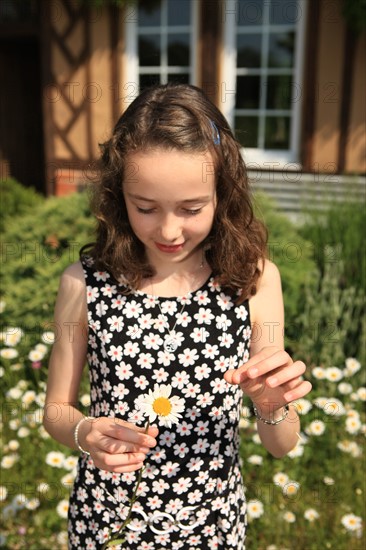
x=76, y=433
x=271, y=422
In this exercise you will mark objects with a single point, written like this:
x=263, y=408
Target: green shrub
x=35, y=249
x=16, y=200
x=292, y=254
x=337, y=235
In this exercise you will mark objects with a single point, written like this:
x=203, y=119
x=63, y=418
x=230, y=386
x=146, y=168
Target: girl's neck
x=177, y=279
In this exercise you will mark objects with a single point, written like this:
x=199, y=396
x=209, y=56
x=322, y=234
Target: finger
x=286, y=375
x=129, y=433
x=116, y=446
x=129, y=468
x=297, y=393
x=278, y=359
x=111, y=461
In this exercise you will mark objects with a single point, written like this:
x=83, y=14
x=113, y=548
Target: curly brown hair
x=180, y=117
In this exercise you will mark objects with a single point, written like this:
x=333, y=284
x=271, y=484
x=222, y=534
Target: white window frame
x=263, y=158
x=130, y=58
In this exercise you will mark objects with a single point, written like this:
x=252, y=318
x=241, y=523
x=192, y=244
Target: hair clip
x=215, y=133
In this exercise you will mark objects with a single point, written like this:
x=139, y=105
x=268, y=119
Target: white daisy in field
x=291, y=488
x=328, y=480
x=353, y=425
x=11, y=336
x=62, y=508
x=351, y=522
x=316, y=427
x=70, y=463
x=352, y=366
x=361, y=392
x=9, y=460
x=289, y=517
x=333, y=374
x=310, y=514
x=319, y=373
x=55, y=459
x=32, y=504
x=3, y=493
x=280, y=479
x=255, y=509
x=48, y=337
x=257, y=460
x=302, y=406
x=158, y=404
x=13, y=445
x=345, y=388
x=8, y=353
x=35, y=355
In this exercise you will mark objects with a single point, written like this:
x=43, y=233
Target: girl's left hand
x=271, y=379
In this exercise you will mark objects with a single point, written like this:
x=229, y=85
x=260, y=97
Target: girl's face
x=170, y=198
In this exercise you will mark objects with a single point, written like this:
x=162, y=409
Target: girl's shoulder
x=270, y=275
x=73, y=278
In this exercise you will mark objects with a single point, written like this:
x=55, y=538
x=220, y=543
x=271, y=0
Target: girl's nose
x=170, y=229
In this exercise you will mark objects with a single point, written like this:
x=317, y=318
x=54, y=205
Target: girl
x=172, y=295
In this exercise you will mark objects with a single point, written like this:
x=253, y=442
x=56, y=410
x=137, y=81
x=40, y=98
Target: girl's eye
x=145, y=210
x=193, y=212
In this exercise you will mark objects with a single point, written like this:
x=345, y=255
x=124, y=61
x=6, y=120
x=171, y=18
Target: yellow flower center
x=162, y=406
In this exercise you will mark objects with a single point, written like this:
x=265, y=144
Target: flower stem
x=116, y=539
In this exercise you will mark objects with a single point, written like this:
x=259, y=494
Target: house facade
x=289, y=75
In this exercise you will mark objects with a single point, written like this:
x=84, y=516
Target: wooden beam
x=310, y=84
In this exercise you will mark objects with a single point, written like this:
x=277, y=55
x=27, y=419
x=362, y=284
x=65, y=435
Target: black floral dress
x=191, y=496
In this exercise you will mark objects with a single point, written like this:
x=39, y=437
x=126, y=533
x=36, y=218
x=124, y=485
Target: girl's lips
x=169, y=248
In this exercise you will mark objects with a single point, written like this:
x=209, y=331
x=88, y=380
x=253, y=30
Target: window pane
x=179, y=12
x=247, y=92
x=149, y=50
x=249, y=12
x=147, y=80
x=180, y=78
x=277, y=133
x=246, y=130
x=178, y=50
x=249, y=50
x=284, y=13
x=279, y=92
x=149, y=14
x=281, y=50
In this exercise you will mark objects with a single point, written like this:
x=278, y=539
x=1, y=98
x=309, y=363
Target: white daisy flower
x=345, y=388
x=328, y=480
x=352, y=366
x=8, y=353
x=42, y=348
x=361, y=392
x=55, y=459
x=3, y=493
x=302, y=406
x=316, y=427
x=255, y=509
x=9, y=460
x=158, y=404
x=62, y=508
x=351, y=522
x=280, y=479
x=310, y=514
x=32, y=504
x=13, y=445
x=333, y=374
x=12, y=336
x=257, y=460
x=35, y=355
x=318, y=373
x=353, y=425
x=14, y=393
x=289, y=517
x=48, y=337
x=291, y=488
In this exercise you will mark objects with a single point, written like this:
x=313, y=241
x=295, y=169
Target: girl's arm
x=270, y=377
x=114, y=445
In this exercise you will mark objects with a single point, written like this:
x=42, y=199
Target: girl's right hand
x=116, y=445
